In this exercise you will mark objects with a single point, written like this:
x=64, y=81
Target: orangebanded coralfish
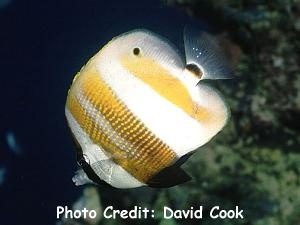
x=137, y=111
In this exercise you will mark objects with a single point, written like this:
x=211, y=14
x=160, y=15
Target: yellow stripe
x=149, y=155
x=168, y=86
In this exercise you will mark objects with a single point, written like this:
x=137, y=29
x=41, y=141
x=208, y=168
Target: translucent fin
x=80, y=178
x=203, y=51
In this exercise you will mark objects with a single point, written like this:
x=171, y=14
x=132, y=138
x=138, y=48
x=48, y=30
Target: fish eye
x=136, y=51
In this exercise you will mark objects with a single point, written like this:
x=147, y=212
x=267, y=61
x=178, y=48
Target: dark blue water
x=42, y=45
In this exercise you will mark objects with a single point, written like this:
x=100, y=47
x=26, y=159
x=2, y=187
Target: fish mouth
x=195, y=70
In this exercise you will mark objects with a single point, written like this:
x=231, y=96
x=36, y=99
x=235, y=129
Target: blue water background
x=43, y=44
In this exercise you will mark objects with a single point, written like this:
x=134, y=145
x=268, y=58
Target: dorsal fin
x=203, y=51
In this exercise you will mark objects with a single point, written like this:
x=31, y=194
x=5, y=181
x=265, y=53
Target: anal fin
x=169, y=177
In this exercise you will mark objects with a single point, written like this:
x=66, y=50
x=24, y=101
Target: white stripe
x=167, y=121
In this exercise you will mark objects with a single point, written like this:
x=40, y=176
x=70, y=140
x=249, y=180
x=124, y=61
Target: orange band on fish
x=136, y=112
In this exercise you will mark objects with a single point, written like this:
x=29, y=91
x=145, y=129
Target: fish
x=138, y=110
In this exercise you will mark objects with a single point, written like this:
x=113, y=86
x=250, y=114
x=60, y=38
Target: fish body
x=137, y=112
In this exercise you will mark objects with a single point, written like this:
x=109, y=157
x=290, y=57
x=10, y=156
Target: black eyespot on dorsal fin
x=204, y=51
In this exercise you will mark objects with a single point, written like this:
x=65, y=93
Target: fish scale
x=143, y=113
x=143, y=168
